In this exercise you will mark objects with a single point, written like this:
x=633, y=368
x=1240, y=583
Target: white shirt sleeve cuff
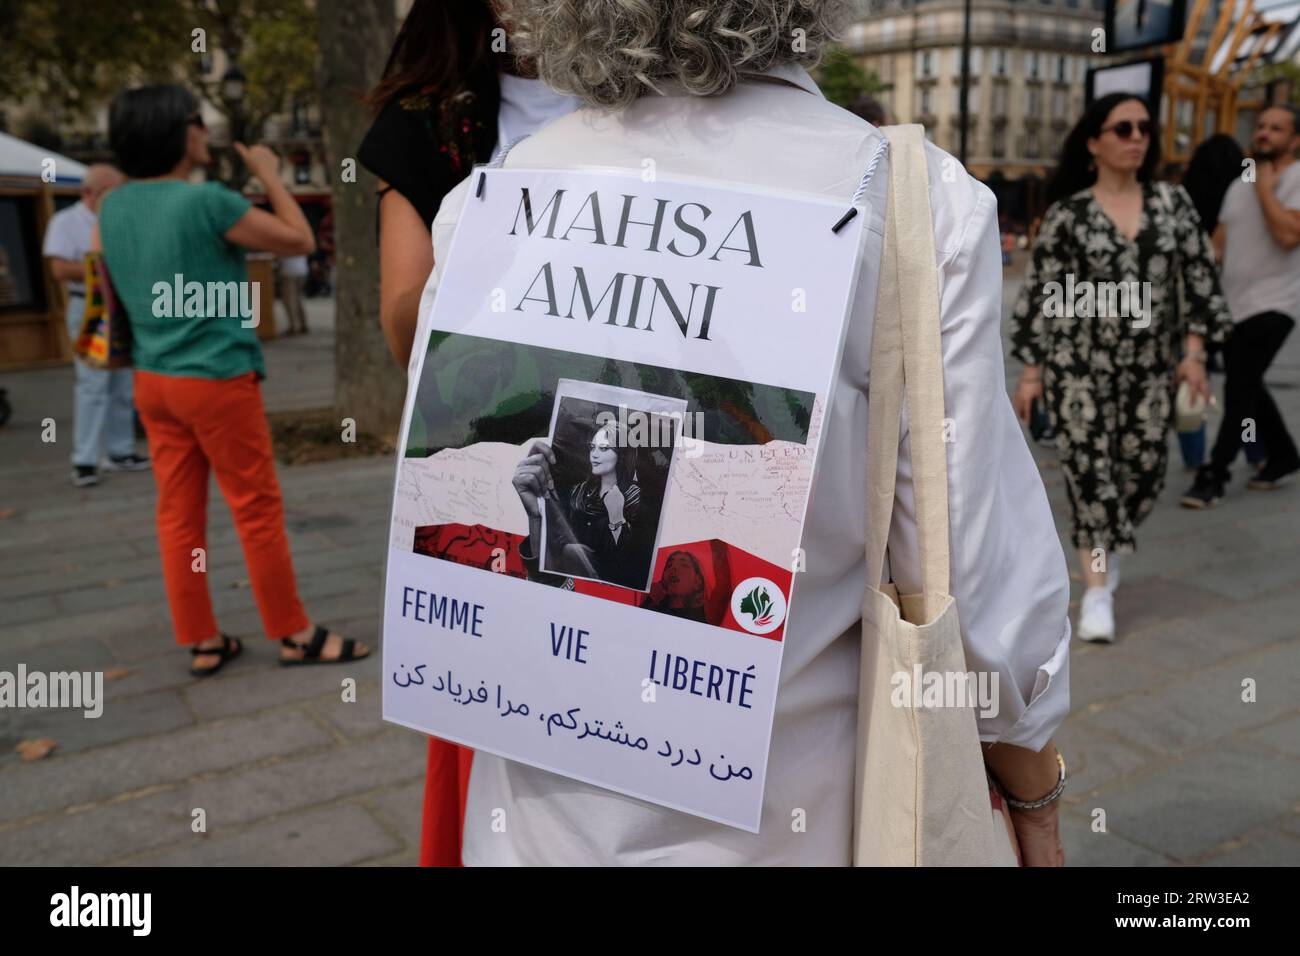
x=1048, y=704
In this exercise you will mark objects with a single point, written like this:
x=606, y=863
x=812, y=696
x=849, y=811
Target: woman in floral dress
x=1121, y=276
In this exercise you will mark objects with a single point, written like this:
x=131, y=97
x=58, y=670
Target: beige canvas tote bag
x=922, y=796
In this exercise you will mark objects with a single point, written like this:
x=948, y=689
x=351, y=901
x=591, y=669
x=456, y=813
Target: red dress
x=446, y=780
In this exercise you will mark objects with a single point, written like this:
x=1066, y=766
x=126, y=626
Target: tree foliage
x=75, y=55
x=843, y=78
x=1286, y=71
x=71, y=55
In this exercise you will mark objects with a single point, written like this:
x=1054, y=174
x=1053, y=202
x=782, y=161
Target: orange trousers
x=198, y=426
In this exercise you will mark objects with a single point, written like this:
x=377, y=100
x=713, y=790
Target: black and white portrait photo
x=594, y=489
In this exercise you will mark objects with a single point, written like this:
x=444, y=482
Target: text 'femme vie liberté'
x=629, y=300
x=695, y=676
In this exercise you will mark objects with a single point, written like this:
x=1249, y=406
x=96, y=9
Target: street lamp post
x=232, y=91
x=965, y=81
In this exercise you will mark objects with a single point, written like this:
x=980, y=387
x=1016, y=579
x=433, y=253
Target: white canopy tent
x=20, y=158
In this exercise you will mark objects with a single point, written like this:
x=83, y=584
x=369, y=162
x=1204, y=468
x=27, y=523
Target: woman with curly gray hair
x=718, y=90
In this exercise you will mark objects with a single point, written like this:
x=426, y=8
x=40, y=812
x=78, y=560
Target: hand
x=1029, y=390
x=533, y=479
x=1265, y=175
x=1192, y=372
x=614, y=501
x=260, y=160
x=1039, y=835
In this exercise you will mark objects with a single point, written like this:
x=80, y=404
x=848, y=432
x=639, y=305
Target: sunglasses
x=1124, y=128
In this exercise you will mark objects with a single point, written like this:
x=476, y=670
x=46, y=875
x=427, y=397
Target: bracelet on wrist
x=1042, y=801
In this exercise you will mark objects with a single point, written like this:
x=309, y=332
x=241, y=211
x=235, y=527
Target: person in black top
x=436, y=116
x=1210, y=171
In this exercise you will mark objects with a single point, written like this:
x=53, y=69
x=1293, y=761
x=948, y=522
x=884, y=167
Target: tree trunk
x=355, y=37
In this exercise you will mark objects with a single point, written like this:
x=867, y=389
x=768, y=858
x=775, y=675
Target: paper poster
x=607, y=454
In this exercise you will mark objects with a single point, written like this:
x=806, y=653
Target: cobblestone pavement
x=287, y=773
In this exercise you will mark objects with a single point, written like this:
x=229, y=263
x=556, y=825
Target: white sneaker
x=1112, y=571
x=1097, y=616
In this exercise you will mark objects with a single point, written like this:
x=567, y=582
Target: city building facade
x=1028, y=64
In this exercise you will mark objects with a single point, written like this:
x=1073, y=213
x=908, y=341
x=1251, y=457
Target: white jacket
x=1008, y=569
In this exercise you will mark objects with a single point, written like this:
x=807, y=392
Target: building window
x=925, y=101
x=1031, y=64
x=1058, y=104
x=976, y=60
x=1000, y=99
x=956, y=98
x=1031, y=145
x=999, y=142
x=1032, y=104
x=999, y=62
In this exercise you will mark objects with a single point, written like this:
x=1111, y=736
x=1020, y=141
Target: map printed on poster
x=607, y=453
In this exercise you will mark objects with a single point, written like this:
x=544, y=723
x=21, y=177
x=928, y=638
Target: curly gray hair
x=609, y=52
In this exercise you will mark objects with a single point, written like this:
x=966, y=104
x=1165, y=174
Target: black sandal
x=224, y=652
x=311, y=651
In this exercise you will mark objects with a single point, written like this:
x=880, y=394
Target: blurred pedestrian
x=870, y=109
x=293, y=272
x=197, y=372
x=1212, y=168
x=1107, y=374
x=1259, y=238
x=104, y=417
x=446, y=101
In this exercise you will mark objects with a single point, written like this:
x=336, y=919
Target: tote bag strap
x=906, y=358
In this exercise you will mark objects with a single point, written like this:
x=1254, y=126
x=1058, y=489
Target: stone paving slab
x=152, y=760
x=1189, y=809
x=1207, y=706
x=109, y=832
x=259, y=687
x=341, y=835
x=138, y=716
x=1086, y=847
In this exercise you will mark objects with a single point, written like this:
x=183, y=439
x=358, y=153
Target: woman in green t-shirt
x=175, y=252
